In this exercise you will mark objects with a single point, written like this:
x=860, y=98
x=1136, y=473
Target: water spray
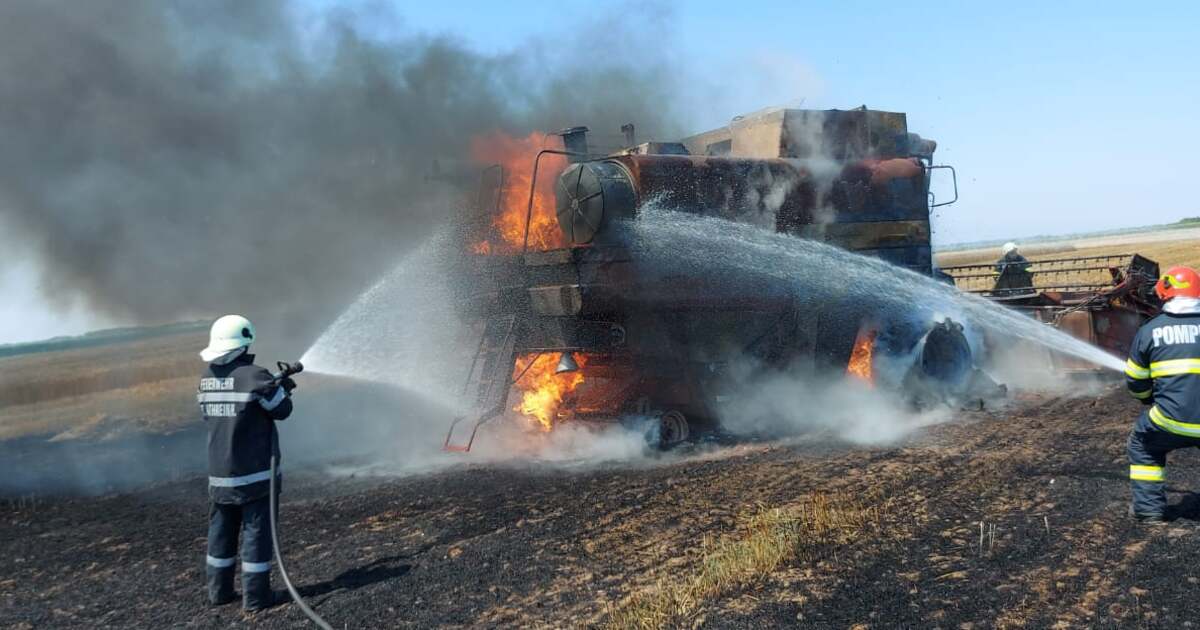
x=671, y=241
x=398, y=330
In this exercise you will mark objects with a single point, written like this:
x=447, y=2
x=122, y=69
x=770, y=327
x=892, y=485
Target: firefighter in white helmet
x=1014, y=278
x=240, y=402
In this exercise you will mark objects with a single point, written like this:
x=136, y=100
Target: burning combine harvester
x=572, y=327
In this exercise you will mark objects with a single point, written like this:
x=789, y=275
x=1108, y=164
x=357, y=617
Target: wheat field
x=1165, y=253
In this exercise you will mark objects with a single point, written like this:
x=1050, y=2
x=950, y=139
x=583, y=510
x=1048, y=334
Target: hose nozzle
x=287, y=369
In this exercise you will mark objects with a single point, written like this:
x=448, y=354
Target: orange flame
x=516, y=155
x=542, y=391
x=860, y=365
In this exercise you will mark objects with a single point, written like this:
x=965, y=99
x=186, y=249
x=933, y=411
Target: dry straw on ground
x=769, y=538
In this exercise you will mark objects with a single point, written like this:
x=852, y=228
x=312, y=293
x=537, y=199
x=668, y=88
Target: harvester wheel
x=946, y=356
x=673, y=429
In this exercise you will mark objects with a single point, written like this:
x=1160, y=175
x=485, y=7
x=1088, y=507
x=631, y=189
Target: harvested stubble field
x=1164, y=251
x=1007, y=518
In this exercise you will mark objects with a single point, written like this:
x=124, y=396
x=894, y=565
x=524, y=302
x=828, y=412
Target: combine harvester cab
x=572, y=327
x=1100, y=299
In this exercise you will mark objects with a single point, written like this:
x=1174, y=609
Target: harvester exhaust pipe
x=630, y=136
x=575, y=142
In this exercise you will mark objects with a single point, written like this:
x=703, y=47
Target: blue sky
x=1060, y=117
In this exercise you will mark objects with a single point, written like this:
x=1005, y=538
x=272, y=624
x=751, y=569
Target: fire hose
x=310, y=613
x=285, y=371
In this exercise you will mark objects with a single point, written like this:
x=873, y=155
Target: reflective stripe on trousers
x=220, y=563
x=1141, y=472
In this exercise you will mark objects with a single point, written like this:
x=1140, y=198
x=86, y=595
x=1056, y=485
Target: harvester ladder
x=489, y=377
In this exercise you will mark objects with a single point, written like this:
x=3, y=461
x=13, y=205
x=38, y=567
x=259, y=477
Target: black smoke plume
x=163, y=160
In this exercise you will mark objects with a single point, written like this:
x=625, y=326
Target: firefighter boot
x=1147, y=519
x=220, y=585
x=256, y=590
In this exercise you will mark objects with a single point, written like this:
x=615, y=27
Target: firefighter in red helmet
x=1163, y=371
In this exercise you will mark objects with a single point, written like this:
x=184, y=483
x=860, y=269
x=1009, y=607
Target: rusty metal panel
x=873, y=235
x=846, y=135
x=1114, y=328
x=916, y=258
x=737, y=189
x=550, y=257
x=834, y=134
x=1078, y=324
x=887, y=134
x=559, y=333
x=559, y=301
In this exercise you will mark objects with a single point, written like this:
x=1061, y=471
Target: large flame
x=542, y=390
x=517, y=155
x=860, y=365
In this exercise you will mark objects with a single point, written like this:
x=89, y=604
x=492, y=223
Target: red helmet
x=1179, y=281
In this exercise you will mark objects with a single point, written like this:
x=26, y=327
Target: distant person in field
x=1163, y=371
x=1014, y=272
x=240, y=402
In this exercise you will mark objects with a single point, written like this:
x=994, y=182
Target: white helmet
x=1010, y=247
x=228, y=334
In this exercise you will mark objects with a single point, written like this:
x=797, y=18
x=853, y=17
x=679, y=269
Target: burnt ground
x=504, y=546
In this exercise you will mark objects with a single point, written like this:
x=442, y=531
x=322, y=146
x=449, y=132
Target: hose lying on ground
x=279, y=557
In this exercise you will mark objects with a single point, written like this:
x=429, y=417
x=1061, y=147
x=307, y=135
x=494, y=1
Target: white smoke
x=780, y=404
x=1024, y=366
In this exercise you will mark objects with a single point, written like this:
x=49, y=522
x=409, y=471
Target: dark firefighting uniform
x=1163, y=371
x=1014, y=274
x=240, y=403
